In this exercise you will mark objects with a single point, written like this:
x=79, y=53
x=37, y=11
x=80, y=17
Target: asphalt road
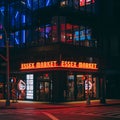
x=71, y=113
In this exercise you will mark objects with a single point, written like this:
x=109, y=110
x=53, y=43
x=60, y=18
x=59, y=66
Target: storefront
x=57, y=81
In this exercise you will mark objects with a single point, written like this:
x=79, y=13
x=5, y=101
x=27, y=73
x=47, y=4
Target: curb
x=39, y=105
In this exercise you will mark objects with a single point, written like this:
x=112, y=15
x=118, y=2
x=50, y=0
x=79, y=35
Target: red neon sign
x=63, y=64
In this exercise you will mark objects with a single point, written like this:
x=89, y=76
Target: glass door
x=70, y=87
x=80, y=87
x=44, y=90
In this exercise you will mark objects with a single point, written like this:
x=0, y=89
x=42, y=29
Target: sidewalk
x=47, y=105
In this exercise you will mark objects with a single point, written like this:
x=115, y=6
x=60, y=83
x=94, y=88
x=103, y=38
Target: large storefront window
x=90, y=86
x=83, y=5
x=25, y=87
x=78, y=35
x=79, y=88
x=29, y=85
x=70, y=94
x=21, y=89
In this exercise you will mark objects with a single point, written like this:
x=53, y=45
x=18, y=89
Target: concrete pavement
x=47, y=105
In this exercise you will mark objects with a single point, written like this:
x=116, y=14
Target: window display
x=78, y=89
x=29, y=92
x=70, y=89
x=83, y=35
x=21, y=89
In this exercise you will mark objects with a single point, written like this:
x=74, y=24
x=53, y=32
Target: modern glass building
x=55, y=50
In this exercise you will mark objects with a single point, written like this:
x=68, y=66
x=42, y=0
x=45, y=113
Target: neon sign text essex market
x=63, y=64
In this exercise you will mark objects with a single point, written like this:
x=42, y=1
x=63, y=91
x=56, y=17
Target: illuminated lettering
x=73, y=64
x=54, y=64
x=80, y=64
x=42, y=64
x=87, y=65
x=94, y=66
x=27, y=66
x=38, y=65
x=90, y=65
x=83, y=65
x=68, y=64
x=64, y=64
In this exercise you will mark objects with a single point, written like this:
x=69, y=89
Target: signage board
x=55, y=64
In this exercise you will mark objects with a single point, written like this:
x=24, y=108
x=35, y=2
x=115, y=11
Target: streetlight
x=7, y=72
x=7, y=68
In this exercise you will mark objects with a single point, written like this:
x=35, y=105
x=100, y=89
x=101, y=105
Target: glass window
x=30, y=88
x=76, y=34
x=86, y=84
x=50, y=31
x=86, y=2
x=84, y=5
x=70, y=87
x=87, y=5
x=80, y=87
x=63, y=33
x=21, y=89
x=69, y=34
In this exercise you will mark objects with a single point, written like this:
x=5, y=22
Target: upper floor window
x=84, y=5
x=86, y=2
x=78, y=35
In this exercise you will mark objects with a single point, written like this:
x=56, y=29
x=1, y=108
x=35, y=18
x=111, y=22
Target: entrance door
x=70, y=87
x=80, y=87
x=44, y=93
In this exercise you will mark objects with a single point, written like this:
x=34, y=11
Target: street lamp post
x=7, y=73
x=6, y=59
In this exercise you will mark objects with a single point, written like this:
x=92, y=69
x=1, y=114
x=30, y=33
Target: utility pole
x=6, y=25
x=6, y=59
x=7, y=74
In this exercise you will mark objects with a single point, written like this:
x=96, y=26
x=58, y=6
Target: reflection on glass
x=70, y=94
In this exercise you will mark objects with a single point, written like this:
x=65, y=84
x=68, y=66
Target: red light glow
x=82, y=2
x=54, y=64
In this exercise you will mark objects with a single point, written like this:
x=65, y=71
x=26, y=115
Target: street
x=63, y=113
